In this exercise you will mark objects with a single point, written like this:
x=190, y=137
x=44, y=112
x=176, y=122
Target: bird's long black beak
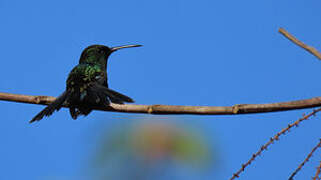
x=121, y=47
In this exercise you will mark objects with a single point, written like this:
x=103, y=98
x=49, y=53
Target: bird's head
x=98, y=54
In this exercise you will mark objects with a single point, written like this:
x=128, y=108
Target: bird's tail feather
x=112, y=95
x=55, y=105
x=116, y=97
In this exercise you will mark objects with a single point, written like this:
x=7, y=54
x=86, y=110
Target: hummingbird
x=86, y=85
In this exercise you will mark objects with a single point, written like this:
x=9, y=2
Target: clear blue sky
x=195, y=53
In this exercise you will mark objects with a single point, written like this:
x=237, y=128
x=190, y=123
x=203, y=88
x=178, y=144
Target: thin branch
x=310, y=49
x=317, y=174
x=272, y=140
x=305, y=160
x=171, y=109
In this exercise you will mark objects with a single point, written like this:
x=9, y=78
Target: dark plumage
x=86, y=85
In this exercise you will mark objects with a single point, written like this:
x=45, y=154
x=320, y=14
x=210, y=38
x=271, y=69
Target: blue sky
x=195, y=53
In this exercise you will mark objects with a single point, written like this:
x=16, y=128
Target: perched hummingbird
x=86, y=85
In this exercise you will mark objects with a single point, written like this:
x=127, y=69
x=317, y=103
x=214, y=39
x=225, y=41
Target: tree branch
x=310, y=49
x=305, y=160
x=317, y=173
x=276, y=138
x=171, y=109
x=205, y=110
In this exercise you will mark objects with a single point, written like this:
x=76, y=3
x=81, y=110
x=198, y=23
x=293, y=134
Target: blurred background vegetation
x=153, y=149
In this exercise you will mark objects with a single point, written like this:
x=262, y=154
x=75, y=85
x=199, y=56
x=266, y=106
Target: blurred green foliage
x=152, y=149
